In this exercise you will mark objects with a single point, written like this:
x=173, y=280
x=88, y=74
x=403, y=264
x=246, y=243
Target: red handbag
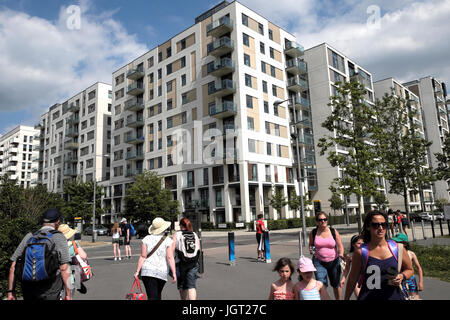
x=131, y=295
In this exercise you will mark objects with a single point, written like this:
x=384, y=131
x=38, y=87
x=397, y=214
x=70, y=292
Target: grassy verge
x=435, y=261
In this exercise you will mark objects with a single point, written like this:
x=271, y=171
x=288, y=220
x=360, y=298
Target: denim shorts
x=331, y=269
x=188, y=276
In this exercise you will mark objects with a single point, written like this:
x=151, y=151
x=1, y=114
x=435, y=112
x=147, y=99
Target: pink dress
x=325, y=249
x=283, y=295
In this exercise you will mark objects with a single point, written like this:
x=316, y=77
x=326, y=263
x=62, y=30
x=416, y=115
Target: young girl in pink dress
x=283, y=288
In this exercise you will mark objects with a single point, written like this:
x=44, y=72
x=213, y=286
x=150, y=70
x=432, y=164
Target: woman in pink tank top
x=326, y=247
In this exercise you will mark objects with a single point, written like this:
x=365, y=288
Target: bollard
x=201, y=268
x=300, y=244
x=267, y=247
x=412, y=229
x=432, y=227
x=231, y=251
x=448, y=227
x=423, y=229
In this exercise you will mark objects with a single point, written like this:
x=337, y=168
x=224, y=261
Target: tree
x=381, y=201
x=294, y=201
x=352, y=124
x=403, y=149
x=146, y=199
x=278, y=200
x=336, y=203
x=80, y=200
x=443, y=169
x=440, y=204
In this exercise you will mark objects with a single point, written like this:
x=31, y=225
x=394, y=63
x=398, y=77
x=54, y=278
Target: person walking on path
x=260, y=228
x=50, y=288
x=307, y=288
x=391, y=221
x=126, y=237
x=116, y=232
x=156, y=256
x=377, y=264
x=410, y=285
x=325, y=245
x=355, y=244
x=404, y=223
x=283, y=288
x=74, y=249
x=186, y=248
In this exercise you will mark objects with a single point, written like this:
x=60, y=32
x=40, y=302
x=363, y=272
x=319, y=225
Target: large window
x=246, y=39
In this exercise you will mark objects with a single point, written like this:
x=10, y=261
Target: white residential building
x=18, y=156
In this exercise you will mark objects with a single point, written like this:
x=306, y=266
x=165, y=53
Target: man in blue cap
x=51, y=287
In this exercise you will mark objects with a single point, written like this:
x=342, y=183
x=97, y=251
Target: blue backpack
x=132, y=230
x=39, y=261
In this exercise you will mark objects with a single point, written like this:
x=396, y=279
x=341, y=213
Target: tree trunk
x=361, y=212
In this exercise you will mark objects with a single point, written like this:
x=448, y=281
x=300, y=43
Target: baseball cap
x=400, y=237
x=305, y=265
x=52, y=215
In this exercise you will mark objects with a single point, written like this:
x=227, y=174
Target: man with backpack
x=127, y=233
x=41, y=263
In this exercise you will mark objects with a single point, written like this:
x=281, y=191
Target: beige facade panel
x=275, y=32
x=279, y=74
x=282, y=112
x=283, y=132
x=206, y=100
x=205, y=39
x=285, y=151
x=280, y=93
x=194, y=113
x=163, y=48
x=173, y=94
x=250, y=50
x=260, y=147
x=254, y=83
x=193, y=66
x=190, y=40
x=191, y=95
x=253, y=24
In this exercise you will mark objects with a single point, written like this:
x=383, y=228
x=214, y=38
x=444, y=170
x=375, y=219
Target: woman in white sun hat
x=156, y=255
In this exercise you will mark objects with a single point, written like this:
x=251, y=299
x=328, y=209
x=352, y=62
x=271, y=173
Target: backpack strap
x=393, y=247
x=364, y=259
x=75, y=247
x=314, y=233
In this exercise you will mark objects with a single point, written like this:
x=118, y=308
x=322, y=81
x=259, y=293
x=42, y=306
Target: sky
x=52, y=49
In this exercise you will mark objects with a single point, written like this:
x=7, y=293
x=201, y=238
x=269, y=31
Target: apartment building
x=209, y=110
x=414, y=106
x=75, y=139
x=326, y=66
x=433, y=95
x=18, y=156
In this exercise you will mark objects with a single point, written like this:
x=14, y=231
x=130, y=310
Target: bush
x=435, y=260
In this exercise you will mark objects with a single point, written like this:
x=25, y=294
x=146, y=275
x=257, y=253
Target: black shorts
x=258, y=238
x=125, y=242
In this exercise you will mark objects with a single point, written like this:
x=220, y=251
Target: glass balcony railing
x=220, y=47
x=297, y=84
x=135, y=104
x=224, y=66
x=294, y=49
x=219, y=27
x=222, y=88
x=222, y=110
x=296, y=66
x=135, y=88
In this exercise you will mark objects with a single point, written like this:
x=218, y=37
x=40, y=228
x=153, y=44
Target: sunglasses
x=376, y=225
x=321, y=220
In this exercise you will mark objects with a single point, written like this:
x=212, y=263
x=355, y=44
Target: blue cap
x=52, y=215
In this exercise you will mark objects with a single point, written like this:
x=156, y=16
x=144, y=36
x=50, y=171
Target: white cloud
x=44, y=62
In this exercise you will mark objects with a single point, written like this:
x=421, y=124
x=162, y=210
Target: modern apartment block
x=326, y=66
x=18, y=156
x=75, y=139
x=200, y=110
x=414, y=106
x=433, y=96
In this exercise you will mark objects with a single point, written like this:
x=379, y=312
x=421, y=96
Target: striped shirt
x=309, y=294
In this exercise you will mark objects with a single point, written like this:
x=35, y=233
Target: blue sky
x=43, y=62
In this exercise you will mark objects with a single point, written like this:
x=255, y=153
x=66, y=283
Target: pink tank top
x=325, y=248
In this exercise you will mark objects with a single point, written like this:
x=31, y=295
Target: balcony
x=71, y=132
x=135, y=122
x=135, y=104
x=296, y=66
x=133, y=155
x=73, y=120
x=133, y=139
x=306, y=139
x=219, y=27
x=299, y=101
x=304, y=122
x=293, y=49
x=135, y=73
x=133, y=172
x=12, y=168
x=135, y=88
x=71, y=158
x=225, y=66
x=442, y=111
x=223, y=88
x=73, y=107
x=70, y=172
x=223, y=110
x=70, y=145
x=308, y=160
x=220, y=47
x=297, y=84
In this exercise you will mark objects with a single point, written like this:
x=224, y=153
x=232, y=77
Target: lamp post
x=94, y=233
x=299, y=174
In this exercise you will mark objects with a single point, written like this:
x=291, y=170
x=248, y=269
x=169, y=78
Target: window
x=150, y=62
x=91, y=95
x=272, y=71
x=266, y=107
x=183, y=62
x=244, y=20
x=160, y=125
x=159, y=91
x=267, y=127
x=184, y=99
x=169, y=104
x=274, y=90
x=277, y=130
x=183, y=44
x=169, y=141
x=263, y=66
x=251, y=145
x=150, y=77
x=92, y=121
x=169, y=69
x=264, y=85
x=247, y=60
x=151, y=146
x=246, y=39
x=249, y=100
x=159, y=73
x=278, y=150
x=169, y=52
x=169, y=122
x=159, y=143
x=262, y=48
x=272, y=53
x=260, y=28
x=169, y=86
x=248, y=80
x=270, y=34
x=183, y=79
x=269, y=149
x=159, y=56
x=169, y=160
x=275, y=110
x=250, y=123
x=184, y=117
x=335, y=60
x=91, y=108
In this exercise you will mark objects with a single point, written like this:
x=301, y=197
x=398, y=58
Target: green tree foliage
x=278, y=200
x=80, y=200
x=352, y=124
x=443, y=168
x=336, y=203
x=146, y=199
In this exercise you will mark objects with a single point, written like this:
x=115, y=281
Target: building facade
x=75, y=139
x=209, y=111
x=433, y=96
x=413, y=105
x=18, y=155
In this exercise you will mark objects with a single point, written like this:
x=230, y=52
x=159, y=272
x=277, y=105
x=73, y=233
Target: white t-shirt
x=156, y=266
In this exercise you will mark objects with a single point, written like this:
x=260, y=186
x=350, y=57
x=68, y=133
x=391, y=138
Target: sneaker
x=120, y=259
x=115, y=259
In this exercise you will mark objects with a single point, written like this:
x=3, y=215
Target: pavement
x=248, y=279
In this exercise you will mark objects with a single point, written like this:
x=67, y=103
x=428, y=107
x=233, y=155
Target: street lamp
x=299, y=174
x=94, y=233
